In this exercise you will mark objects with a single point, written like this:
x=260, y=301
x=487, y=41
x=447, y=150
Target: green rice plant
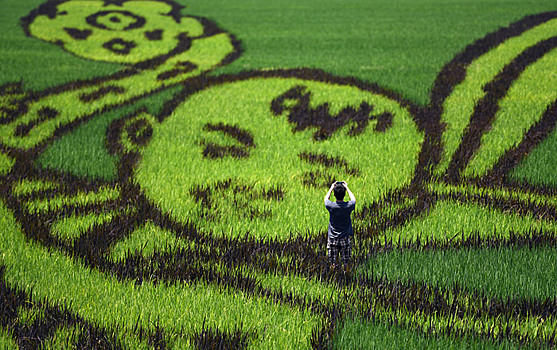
x=6, y=164
x=6, y=341
x=538, y=167
x=145, y=241
x=505, y=272
x=26, y=187
x=454, y=221
x=64, y=338
x=359, y=334
x=72, y=227
x=83, y=198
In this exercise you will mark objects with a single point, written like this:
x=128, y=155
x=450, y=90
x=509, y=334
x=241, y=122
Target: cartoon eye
x=115, y=20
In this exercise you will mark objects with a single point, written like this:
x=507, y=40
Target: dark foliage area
x=214, y=339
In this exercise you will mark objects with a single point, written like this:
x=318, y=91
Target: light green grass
x=6, y=164
x=452, y=221
x=103, y=194
x=526, y=273
x=72, y=227
x=6, y=341
x=26, y=187
x=146, y=240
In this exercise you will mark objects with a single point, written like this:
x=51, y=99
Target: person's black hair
x=340, y=191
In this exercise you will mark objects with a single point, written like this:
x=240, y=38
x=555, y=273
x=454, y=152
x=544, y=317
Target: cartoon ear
x=51, y=22
x=497, y=99
x=131, y=133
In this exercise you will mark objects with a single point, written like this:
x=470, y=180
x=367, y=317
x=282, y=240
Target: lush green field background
x=399, y=44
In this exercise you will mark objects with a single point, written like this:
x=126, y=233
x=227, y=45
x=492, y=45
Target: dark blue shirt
x=340, y=224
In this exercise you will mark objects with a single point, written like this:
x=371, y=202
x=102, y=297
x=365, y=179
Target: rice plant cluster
x=211, y=231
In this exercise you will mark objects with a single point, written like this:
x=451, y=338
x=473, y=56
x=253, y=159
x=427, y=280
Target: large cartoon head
x=121, y=31
x=256, y=156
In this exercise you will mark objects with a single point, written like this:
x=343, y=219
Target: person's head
x=340, y=191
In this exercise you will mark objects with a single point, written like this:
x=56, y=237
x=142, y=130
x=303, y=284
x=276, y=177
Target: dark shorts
x=340, y=246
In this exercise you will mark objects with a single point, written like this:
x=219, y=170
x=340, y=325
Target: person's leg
x=333, y=252
x=345, y=253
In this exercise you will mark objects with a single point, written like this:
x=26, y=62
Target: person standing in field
x=339, y=232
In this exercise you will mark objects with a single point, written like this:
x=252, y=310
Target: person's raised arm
x=350, y=194
x=328, y=195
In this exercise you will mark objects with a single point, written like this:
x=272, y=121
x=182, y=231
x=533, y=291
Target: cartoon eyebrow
x=213, y=150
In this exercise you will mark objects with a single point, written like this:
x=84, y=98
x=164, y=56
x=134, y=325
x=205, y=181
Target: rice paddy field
x=163, y=165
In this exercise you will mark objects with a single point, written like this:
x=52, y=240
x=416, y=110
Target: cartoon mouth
x=323, y=178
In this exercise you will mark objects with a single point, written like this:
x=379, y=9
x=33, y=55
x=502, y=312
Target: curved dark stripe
x=487, y=108
x=454, y=72
x=535, y=135
x=413, y=296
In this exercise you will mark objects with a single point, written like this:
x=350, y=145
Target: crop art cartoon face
x=114, y=31
x=256, y=155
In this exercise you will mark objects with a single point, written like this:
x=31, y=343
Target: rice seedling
x=501, y=272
